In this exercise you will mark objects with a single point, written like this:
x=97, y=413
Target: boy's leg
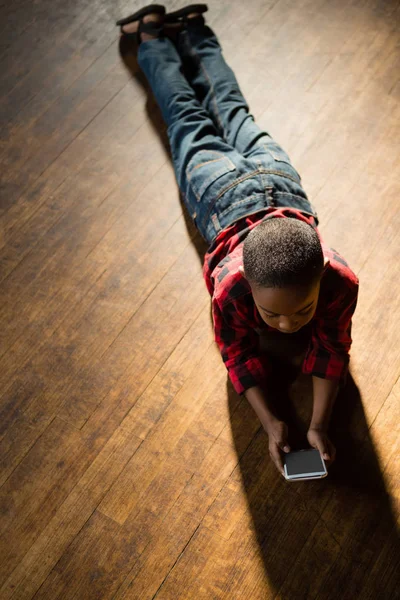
x=216, y=87
x=190, y=128
x=202, y=159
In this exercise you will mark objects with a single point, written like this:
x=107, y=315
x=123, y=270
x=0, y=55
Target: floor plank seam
x=33, y=246
x=60, y=40
x=383, y=403
x=176, y=561
x=135, y=200
x=32, y=184
x=148, y=384
x=63, y=552
x=54, y=159
x=27, y=452
x=69, y=175
x=36, y=350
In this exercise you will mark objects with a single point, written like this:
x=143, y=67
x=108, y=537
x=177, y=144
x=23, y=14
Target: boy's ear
x=241, y=270
x=326, y=263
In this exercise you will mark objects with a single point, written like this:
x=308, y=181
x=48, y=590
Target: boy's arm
x=239, y=345
x=240, y=351
x=325, y=392
x=328, y=363
x=277, y=430
x=328, y=354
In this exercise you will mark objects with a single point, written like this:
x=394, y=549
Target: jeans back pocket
x=205, y=168
x=280, y=156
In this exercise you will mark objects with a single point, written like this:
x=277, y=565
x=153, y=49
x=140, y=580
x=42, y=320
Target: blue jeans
x=225, y=165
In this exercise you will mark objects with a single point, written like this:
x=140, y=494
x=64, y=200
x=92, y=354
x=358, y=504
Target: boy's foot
x=133, y=27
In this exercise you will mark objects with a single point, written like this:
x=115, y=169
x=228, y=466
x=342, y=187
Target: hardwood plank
x=65, y=38
x=94, y=563
x=159, y=445
x=139, y=347
x=202, y=546
x=149, y=406
x=159, y=557
x=377, y=371
x=36, y=488
x=71, y=516
x=120, y=353
x=167, y=489
x=156, y=493
x=385, y=431
x=142, y=523
x=16, y=26
x=58, y=127
x=98, y=145
x=16, y=19
x=47, y=311
x=272, y=514
x=208, y=480
x=78, y=225
x=312, y=565
x=74, y=352
x=139, y=399
x=18, y=439
x=339, y=139
x=383, y=579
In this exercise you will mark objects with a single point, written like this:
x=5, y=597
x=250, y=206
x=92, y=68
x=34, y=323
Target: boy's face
x=286, y=309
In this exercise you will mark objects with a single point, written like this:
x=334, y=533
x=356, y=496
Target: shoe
x=151, y=27
x=181, y=14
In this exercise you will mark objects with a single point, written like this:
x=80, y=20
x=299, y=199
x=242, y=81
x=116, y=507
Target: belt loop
x=216, y=222
x=271, y=199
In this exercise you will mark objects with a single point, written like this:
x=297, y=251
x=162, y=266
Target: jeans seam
x=264, y=183
x=248, y=175
x=213, y=94
x=207, y=182
x=286, y=159
x=277, y=193
x=205, y=163
x=235, y=204
x=249, y=214
x=236, y=182
x=243, y=178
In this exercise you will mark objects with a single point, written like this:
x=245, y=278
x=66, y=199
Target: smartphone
x=304, y=464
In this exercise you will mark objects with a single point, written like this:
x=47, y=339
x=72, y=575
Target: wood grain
x=130, y=469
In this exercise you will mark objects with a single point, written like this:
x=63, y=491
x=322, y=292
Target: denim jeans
x=225, y=165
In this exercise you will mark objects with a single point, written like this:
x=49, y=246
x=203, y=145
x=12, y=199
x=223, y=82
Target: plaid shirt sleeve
x=328, y=353
x=239, y=347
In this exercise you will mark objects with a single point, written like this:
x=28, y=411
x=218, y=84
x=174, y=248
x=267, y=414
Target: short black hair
x=282, y=252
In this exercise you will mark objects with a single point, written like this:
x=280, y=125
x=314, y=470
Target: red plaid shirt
x=236, y=318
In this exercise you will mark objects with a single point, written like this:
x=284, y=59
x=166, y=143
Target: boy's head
x=283, y=263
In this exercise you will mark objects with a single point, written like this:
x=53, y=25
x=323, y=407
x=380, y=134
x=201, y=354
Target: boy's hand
x=318, y=439
x=277, y=433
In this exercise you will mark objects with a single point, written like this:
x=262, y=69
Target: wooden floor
x=130, y=469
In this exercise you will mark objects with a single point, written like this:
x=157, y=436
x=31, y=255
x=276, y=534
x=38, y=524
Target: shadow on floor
x=328, y=539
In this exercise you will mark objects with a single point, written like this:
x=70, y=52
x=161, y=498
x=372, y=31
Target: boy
x=267, y=269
